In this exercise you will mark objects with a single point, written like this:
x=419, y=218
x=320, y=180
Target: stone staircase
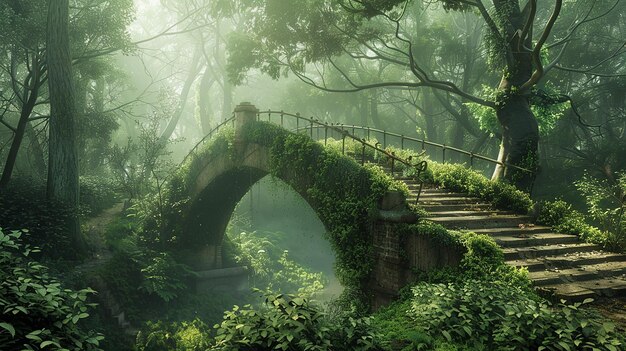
x=558, y=264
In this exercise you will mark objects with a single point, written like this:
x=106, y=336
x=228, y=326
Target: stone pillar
x=245, y=113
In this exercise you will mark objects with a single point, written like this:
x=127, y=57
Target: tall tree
x=63, y=156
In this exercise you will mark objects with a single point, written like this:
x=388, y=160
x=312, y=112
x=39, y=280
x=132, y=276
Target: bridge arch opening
x=276, y=223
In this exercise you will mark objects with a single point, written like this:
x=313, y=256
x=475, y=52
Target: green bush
x=272, y=268
x=96, y=194
x=606, y=201
x=37, y=312
x=183, y=336
x=290, y=323
x=461, y=179
x=564, y=219
x=505, y=317
x=24, y=206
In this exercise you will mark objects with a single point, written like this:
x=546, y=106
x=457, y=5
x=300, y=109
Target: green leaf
x=47, y=343
x=8, y=327
x=565, y=345
x=446, y=335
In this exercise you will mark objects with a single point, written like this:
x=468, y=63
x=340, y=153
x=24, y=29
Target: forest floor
x=614, y=309
x=94, y=229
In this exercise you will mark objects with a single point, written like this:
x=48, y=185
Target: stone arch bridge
x=363, y=210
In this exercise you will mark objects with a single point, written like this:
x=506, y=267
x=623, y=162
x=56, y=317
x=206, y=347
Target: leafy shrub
x=505, y=317
x=96, y=194
x=290, y=323
x=607, y=203
x=163, y=276
x=37, y=311
x=458, y=178
x=563, y=218
x=183, y=336
x=24, y=206
x=272, y=268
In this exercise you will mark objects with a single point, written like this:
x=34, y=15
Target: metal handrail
x=430, y=143
x=314, y=123
x=208, y=136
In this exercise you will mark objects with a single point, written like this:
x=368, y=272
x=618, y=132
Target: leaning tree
x=306, y=37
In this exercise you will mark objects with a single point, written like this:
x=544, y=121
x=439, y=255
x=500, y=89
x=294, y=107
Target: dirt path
x=95, y=229
x=613, y=309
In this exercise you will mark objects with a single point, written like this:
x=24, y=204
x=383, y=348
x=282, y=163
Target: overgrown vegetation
x=272, y=268
x=484, y=304
x=291, y=323
x=343, y=194
x=38, y=312
x=605, y=202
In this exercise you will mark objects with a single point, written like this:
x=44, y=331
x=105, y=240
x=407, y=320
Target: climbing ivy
x=343, y=193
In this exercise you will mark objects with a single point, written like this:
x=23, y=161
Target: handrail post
x=384, y=139
x=423, y=144
x=245, y=113
x=471, y=160
x=281, y=118
x=343, y=144
x=325, y=134
x=363, y=153
x=401, y=142
x=298, y=122
x=443, y=154
x=311, y=129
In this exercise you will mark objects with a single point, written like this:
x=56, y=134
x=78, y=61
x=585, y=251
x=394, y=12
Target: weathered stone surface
x=559, y=264
x=392, y=200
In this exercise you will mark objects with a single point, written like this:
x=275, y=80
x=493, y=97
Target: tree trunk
x=204, y=100
x=63, y=160
x=184, y=95
x=22, y=124
x=37, y=151
x=520, y=139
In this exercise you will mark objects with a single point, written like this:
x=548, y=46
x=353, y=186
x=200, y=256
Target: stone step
x=479, y=222
x=568, y=260
x=536, y=240
x=468, y=213
x=440, y=193
x=456, y=207
x=460, y=199
x=524, y=230
x=579, y=291
x=610, y=270
x=512, y=254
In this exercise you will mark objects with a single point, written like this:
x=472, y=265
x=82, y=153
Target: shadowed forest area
x=392, y=175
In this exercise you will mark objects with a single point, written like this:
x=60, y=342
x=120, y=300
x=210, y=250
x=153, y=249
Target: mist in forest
x=157, y=156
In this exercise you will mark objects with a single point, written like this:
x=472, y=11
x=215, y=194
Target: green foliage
x=163, y=276
x=24, y=205
x=546, y=106
x=504, y=317
x=272, y=268
x=38, y=313
x=183, y=336
x=96, y=194
x=461, y=179
x=606, y=202
x=563, y=218
x=290, y=323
